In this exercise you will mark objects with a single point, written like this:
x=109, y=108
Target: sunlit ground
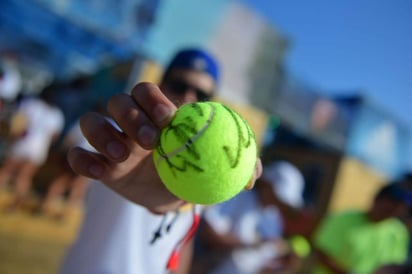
x=31, y=243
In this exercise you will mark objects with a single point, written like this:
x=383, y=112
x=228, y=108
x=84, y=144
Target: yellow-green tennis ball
x=207, y=154
x=300, y=245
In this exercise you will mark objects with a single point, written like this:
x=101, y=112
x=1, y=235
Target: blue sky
x=349, y=46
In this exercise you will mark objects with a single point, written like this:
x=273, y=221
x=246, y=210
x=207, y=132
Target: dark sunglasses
x=180, y=87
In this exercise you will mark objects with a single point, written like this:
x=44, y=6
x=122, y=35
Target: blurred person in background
x=356, y=241
x=246, y=234
x=66, y=182
x=12, y=123
x=405, y=182
x=289, y=185
x=10, y=82
x=27, y=154
x=151, y=231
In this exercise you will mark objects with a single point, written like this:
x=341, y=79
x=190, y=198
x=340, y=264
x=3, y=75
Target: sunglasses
x=180, y=87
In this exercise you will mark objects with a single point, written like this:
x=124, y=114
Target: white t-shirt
x=244, y=217
x=44, y=122
x=116, y=235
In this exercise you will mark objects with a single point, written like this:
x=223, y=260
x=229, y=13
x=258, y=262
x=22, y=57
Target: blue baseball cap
x=195, y=59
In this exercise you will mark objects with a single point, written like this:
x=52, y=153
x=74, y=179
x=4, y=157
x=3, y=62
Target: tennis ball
x=207, y=154
x=300, y=245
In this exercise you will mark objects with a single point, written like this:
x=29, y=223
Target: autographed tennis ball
x=207, y=154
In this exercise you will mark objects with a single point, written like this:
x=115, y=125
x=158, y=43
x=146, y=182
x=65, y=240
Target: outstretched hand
x=123, y=159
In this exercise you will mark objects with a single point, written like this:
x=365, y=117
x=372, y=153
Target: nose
x=189, y=96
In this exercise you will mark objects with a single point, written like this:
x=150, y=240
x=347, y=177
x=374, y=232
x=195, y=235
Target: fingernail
x=162, y=112
x=96, y=171
x=115, y=149
x=147, y=135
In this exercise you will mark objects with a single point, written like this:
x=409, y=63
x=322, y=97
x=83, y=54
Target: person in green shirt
x=355, y=241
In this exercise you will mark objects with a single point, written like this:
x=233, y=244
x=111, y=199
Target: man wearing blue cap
x=191, y=76
x=362, y=241
x=150, y=233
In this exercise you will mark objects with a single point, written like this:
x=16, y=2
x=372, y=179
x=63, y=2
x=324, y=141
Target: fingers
x=102, y=135
x=154, y=103
x=86, y=163
x=143, y=114
x=139, y=117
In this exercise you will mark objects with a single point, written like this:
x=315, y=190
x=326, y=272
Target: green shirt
x=359, y=245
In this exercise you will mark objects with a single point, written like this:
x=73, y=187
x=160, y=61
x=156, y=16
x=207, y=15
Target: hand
x=123, y=160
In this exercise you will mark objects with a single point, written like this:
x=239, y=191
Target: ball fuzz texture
x=207, y=154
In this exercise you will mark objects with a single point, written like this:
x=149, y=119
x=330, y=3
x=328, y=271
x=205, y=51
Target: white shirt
x=244, y=217
x=44, y=122
x=115, y=237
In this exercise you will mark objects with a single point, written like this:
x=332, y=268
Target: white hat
x=287, y=182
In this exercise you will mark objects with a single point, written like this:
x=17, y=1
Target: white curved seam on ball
x=191, y=140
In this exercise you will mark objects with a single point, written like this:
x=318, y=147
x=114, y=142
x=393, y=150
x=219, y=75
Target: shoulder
x=396, y=225
x=350, y=214
x=341, y=222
